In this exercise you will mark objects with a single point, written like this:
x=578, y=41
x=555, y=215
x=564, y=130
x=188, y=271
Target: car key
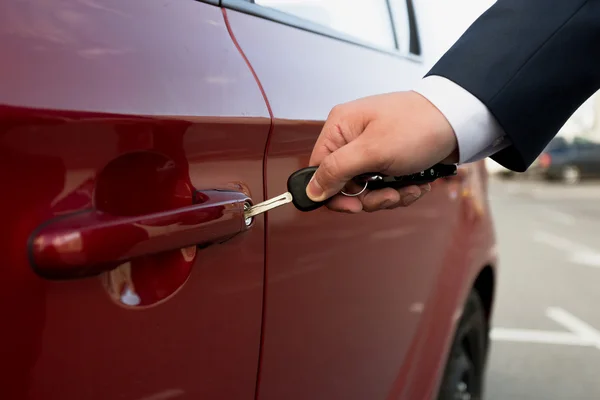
x=298, y=181
x=378, y=181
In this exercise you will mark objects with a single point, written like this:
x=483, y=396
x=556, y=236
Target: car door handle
x=88, y=243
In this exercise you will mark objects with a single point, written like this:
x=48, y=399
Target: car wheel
x=464, y=373
x=570, y=175
x=507, y=175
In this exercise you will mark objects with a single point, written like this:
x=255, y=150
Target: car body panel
x=587, y=158
x=124, y=96
x=474, y=243
x=350, y=300
x=135, y=108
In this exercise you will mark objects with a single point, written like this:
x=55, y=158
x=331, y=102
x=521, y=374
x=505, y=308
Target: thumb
x=341, y=166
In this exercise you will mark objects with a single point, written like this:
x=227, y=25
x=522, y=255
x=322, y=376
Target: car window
x=558, y=143
x=366, y=20
x=583, y=142
x=403, y=15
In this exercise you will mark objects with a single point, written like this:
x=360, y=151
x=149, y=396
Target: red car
x=132, y=136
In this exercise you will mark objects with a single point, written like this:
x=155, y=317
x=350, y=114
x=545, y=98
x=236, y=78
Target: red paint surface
x=351, y=301
x=84, y=87
x=265, y=192
x=137, y=111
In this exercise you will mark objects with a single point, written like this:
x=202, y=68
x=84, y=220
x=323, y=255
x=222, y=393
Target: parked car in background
x=132, y=137
x=568, y=161
x=495, y=168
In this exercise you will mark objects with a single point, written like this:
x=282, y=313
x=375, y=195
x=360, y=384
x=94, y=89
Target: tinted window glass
x=583, y=142
x=367, y=20
x=556, y=144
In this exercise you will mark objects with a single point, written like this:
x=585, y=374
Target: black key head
x=296, y=184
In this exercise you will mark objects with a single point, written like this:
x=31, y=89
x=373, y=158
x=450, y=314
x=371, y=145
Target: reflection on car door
x=124, y=109
x=344, y=294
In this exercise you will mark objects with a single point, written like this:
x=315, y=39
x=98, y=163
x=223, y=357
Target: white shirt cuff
x=477, y=132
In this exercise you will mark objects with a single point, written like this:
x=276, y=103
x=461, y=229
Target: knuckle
x=334, y=137
x=336, y=111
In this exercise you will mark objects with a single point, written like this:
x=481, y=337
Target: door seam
x=265, y=196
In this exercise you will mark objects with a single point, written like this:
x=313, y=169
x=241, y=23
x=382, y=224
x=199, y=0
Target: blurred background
x=546, y=327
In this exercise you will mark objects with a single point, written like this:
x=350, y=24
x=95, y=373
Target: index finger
x=330, y=139
x=341, y=127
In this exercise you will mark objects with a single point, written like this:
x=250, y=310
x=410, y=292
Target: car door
x=595, y=156
x=345, y=295
x=587, y=157
x=129, y=133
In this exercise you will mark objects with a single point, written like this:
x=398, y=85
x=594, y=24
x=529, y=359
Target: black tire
x=507, y=175
x=464, y=374
x=570, y=175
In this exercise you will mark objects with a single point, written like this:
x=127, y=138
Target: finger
x=389, y=198
x=343, y=125
x=348, y=202
x=408, y=198
x=341, y=203
x=339, y=167
x=380, y=199
x=330, y=139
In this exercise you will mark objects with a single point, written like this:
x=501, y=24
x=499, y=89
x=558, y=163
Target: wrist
x=453, y=158
x=443, y=139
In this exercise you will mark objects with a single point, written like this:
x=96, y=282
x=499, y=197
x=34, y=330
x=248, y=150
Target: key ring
x=356, y=194
x=367, y=180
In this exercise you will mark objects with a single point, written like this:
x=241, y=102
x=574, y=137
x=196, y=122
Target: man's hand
x=394, y=134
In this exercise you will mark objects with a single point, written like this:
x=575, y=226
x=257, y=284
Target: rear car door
x=595, y=155
x=345, y=295
x=588, y=157
x=129, y=133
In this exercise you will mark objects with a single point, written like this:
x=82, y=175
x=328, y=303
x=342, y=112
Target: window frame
x=412, y=54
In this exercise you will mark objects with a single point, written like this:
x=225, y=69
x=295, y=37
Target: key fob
x=378, y=181
x=298, y=181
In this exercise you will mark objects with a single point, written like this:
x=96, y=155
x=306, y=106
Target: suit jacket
x=532, y=63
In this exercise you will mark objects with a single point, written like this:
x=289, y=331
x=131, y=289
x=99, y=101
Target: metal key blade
x=268, y=205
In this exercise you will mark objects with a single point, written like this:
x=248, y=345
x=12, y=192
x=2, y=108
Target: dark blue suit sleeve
x=532, y=63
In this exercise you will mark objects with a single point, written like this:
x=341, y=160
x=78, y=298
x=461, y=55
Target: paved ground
x=547, y=317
